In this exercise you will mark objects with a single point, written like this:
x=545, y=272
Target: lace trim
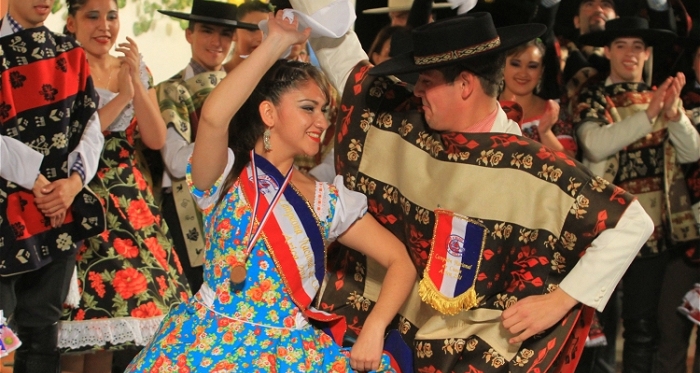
x=77, y=334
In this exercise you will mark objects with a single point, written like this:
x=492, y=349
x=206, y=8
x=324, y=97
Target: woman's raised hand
x=131, y=58
x=287, y=28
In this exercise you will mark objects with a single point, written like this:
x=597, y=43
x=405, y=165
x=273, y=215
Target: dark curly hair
x=247, y=125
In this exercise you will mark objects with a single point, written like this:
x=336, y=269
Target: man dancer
x=637, y=138
x=52, y=139
x=210, y=33
x=495, y=269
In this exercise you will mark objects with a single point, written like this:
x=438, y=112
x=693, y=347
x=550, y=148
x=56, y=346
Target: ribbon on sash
x=449, y=279
x=292, y=232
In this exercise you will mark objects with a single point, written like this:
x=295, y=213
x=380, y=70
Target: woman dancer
x=266, y=225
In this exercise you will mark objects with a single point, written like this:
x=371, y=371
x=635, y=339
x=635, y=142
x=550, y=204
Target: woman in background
x=521, y=77
x=129, y=276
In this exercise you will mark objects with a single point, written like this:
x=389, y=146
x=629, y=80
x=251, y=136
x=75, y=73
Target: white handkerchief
x=332, y=21
x=464, y=5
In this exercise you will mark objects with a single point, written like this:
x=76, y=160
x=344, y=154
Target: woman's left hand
x=132, y=58
x=366, y=353
x=288, y=29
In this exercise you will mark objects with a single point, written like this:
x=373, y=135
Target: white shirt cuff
x=19, y=163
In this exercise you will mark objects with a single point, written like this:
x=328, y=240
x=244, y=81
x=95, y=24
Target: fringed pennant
x=449, y=280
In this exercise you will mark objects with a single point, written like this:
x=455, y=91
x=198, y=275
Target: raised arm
x=151, y=124
x=210, y=150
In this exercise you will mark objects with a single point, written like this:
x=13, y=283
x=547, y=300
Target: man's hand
x=57, y=221
x=536, y=313
x=40, y=182
x=58, y=196
x=366, y=353
x=658, y=99
x=673, y=94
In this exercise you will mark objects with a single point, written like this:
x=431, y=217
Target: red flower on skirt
x=146, y=310
x=157, y=250
x=176, y=259
x=126, y=248
x=96, y=283
x=139, y=214
x=80, y=315
x=140, y=181
x=129, y=282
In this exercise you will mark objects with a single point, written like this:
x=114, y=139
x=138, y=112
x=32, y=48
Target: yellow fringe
x=448, y=306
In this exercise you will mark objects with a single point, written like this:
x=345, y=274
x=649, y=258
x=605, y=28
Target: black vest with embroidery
x=46, y=100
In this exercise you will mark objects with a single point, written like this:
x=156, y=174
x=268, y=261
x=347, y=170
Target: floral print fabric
x=129, y=276
x=251, y=327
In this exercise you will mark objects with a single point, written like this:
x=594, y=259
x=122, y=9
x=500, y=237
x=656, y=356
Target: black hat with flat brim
x=212, y=12
x=628, y=27
x=457, y=39
x=400, y=6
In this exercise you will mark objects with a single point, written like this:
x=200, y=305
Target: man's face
x=440, y=100
x=30, y=13
x=592, y=15
x=247, y=40
x=210, y=44
x=399, y=18
x=627, y=57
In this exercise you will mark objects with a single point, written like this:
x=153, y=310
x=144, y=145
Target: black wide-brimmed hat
x=630, y=26
x=457, y=39
x=400, y=6
x=212, y=12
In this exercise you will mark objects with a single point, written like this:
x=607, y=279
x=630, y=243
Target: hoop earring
x=266, y=140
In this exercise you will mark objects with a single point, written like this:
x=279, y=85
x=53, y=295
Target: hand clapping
x=666, y=97
x=130, y=60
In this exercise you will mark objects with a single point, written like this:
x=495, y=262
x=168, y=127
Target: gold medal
x=238, y=274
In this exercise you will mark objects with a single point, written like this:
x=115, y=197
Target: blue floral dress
x=255, y=326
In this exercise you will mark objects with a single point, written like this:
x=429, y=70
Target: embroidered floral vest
x=46, y=100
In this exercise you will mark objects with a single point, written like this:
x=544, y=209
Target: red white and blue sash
x=292, y=232
x=449, y=278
